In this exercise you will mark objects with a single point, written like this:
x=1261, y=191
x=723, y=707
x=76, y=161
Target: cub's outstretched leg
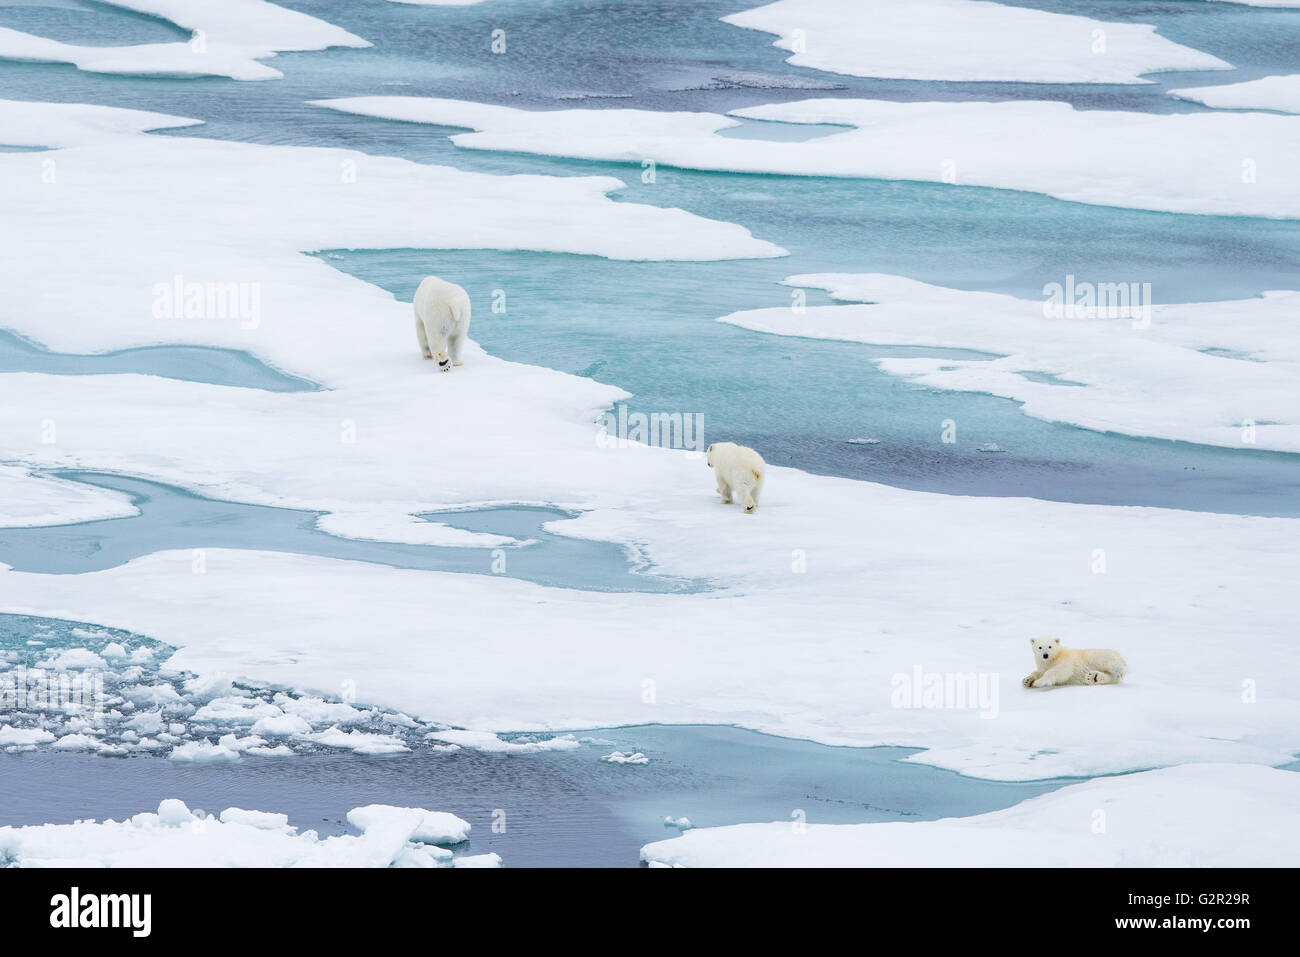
x=1053, y=676
x=1028, y=680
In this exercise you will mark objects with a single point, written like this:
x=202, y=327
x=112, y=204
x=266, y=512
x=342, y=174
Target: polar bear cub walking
x=441, y=320
x=740, y=472
x=1058, y=665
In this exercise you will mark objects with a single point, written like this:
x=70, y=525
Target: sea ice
x=1217, y=373
x=229, y=38
x=1278, y=93
x=1204, y=162
x=176, y=836
x=966, y=40
x=1197, y=815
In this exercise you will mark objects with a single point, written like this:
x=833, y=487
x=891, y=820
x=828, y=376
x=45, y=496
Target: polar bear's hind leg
x=422, y=337
x=724, y=490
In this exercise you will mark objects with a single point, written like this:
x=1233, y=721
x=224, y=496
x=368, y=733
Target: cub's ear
x=1032, y=640
x=710, y=448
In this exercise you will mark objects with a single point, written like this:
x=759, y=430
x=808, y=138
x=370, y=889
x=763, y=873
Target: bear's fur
x=441, y=320
x=1058, y=665
x=740, y=473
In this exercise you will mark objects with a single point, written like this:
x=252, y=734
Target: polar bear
x=441, y=320
x=740, y=472
x=1058, y=665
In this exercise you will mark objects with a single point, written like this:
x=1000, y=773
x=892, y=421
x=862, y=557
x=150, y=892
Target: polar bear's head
x=1045, y=649
x=708, y=456
x=443, y=360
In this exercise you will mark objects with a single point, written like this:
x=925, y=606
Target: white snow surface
x=408, y=529
x=966, y=40
x=1198, y=372
x=1278, y=93
x=175, y=836
x=228, y=38
x=1196, y=815
x=435, y=827
x=491, y=743
x=1217, y=163
x=28, y=500
x=894, y=579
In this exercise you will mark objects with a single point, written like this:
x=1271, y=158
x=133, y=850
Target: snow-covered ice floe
x=489, y=742
x=1219, y=163
x=1278, y=93
x=28, y=500
x=228, y=39
x=175, y=836
x=408, y=529
x=625, y=757
x=846, y=589
x=1196, y=815
x=1218, y=373
x=966, y=40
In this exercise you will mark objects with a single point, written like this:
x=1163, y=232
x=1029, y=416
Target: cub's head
x=1045, y=649
x=708, y=456
x=443, y=360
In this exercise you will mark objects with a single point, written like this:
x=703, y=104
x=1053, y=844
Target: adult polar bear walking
x=740, y=472
x=441, y=320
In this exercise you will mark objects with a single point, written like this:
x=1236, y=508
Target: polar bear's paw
x=1028, y=680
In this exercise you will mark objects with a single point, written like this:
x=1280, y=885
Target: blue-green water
x=230, y=367
x=172, y=518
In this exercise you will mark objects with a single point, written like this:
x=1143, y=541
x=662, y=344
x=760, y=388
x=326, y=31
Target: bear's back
x=435, y=291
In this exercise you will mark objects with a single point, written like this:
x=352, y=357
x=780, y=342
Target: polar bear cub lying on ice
x=740, y=472
x=1058, y=665
x=441, y=320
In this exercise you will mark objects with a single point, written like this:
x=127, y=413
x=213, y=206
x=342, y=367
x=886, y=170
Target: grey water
x=173, y=518
x=562, y=808
x=215, y=366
